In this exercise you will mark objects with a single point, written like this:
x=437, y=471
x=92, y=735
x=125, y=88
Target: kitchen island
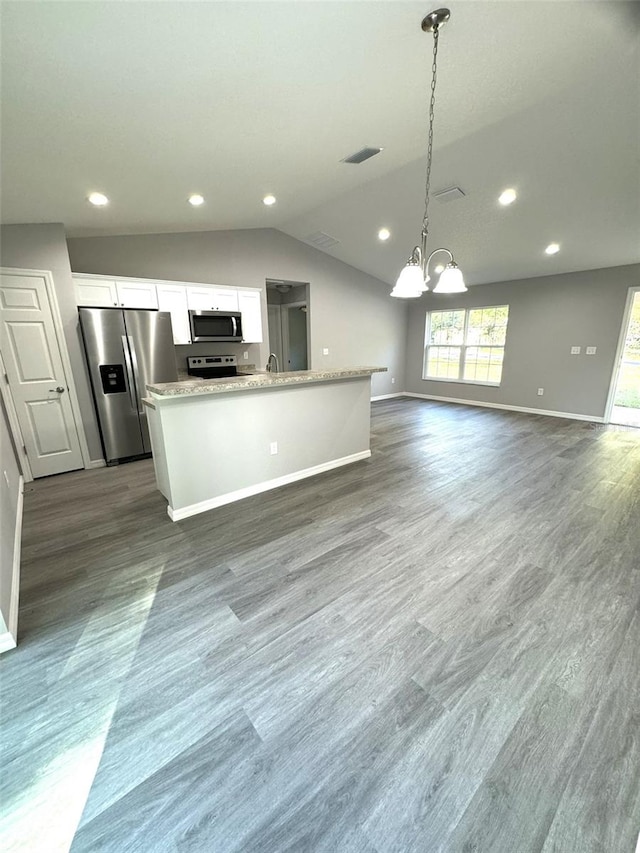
x=216, y=441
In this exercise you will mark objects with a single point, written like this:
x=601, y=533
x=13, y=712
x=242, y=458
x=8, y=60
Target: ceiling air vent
x=362, y=155
x=321, y=240
x=450, y=194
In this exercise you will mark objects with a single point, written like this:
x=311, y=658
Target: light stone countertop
x=257, y=381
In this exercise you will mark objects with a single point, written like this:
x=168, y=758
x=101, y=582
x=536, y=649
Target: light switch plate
x=325, y=351
x=591, y=350
x=575, y=350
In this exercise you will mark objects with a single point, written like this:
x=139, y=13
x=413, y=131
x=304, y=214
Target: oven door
x=215, y=326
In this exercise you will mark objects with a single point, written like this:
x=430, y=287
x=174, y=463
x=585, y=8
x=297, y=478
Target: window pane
x=483, y=364
x=488, y=325
x=443, y=362
x=446, y=327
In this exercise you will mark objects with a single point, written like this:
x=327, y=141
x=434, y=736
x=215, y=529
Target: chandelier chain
x=432, y=103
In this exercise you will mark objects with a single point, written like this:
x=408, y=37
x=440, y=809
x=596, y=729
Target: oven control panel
x=201, y=361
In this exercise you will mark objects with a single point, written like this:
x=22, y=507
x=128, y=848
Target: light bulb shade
x=410, y=283
x=451, y=280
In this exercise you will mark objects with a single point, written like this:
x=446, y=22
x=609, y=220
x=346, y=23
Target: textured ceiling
x=149, y=102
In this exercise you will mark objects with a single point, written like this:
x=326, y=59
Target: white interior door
x=36, y=377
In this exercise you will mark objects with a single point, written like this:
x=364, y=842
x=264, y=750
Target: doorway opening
x=289, y=322
x=624, y=398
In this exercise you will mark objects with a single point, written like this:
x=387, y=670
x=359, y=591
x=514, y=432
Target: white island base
x=219, y=441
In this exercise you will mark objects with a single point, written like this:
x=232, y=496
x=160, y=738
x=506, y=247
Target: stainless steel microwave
x=215, y=326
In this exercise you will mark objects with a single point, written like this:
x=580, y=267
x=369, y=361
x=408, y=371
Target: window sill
x=461, y=381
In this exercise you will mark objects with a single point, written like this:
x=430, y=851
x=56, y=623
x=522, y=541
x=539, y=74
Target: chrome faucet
x=273, y=359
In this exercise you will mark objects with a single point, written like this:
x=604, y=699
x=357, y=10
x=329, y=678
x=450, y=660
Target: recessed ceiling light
x=269, y=200
x=438, y=269
x=384, y=234
x=552, y=249
x=507, y=197
x=196, y=200
x=98, y=199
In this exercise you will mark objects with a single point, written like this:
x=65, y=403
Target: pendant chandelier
x=413, y=279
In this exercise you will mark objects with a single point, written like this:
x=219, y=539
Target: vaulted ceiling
x=151, y=101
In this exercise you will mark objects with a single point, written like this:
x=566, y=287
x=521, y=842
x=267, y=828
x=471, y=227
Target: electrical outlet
x=325, y=351
x=245, y=354
x=575, y=350
x=591, y=350
x=393, y=380
x=540, y=392
x=273, y=448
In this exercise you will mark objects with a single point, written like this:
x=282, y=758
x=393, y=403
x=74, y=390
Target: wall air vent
x=362, y=155
x=321, y=240
x=450, y=194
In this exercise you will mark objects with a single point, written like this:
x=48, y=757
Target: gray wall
x=351, y=313
x=44, y=247
x=546, y=317
x=9, y=492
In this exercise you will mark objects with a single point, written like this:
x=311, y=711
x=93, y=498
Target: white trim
x=15, y=575
x=461, y=381
x=14, y=426
x=6, y=642
x=58, y=328
x=96, y=463
x=547, y=412
x=463, y=347
x=9, y=638
x=617, y=364
x=248, y=491
x=387, y=396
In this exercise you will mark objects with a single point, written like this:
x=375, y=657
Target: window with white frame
x=466, y=345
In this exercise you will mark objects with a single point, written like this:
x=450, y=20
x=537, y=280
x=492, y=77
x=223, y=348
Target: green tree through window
x=466, y=345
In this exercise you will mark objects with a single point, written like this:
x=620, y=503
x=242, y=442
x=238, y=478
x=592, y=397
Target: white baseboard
x=7, y=642
x=95, y=463
x=548, y=412
x=240, y=494
x=8, y=638
x=387, y=396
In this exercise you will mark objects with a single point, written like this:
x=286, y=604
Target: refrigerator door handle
x=136, y=376
x=128, y=368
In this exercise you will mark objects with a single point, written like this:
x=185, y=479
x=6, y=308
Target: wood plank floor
x=436, y=649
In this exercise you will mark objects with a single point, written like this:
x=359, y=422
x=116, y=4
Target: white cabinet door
x=95, y=293
x=249, y=305
x=173, y=298
x=36, y=376
x=136, y=294
x=225, y=299
x=212, y=299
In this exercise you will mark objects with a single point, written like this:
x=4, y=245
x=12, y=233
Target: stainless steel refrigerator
x=126, y=350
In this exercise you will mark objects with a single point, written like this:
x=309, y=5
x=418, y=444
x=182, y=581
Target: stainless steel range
x=212, y=366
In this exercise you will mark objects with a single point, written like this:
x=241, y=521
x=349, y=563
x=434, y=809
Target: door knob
x=59, y=389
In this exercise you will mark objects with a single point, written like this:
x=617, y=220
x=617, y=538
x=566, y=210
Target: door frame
x=14, y=425
x=622, y=339
x=285, y=307
x=7, y=396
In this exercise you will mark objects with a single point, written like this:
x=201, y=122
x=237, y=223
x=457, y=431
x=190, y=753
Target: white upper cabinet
x=106, y=293
x=95, y=293
x=136, y=294
x=173, y=298
x=176, y=298
x=212, y=298
x=249, y=305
